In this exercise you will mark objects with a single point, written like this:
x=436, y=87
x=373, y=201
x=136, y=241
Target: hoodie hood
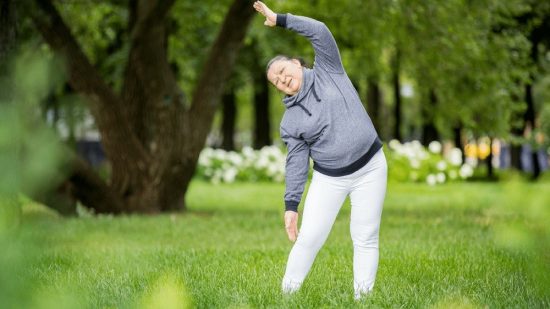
x=308, y=81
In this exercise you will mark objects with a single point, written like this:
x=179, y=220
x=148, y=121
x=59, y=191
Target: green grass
x=438, y=248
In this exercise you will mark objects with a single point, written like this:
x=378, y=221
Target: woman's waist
x=342, y=161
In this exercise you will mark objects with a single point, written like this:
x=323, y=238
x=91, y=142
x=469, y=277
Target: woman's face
x=286, y=75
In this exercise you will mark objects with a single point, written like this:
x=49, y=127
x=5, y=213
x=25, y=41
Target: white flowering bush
x=407, y=162
x=413, y=162
x=217, y=165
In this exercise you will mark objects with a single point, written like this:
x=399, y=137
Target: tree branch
x=92, y=191
x=217, y=69
x=83, y=76
x=149, y=83
x=85, y=79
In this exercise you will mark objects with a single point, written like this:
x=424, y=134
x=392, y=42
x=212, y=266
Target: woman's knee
x=364, y=235
x=310, y=240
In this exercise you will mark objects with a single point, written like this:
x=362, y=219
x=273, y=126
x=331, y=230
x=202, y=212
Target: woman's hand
x=291, y=224
x=270, y=17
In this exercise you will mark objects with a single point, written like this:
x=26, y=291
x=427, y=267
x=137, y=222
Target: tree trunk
x=536, y=164
x=529, y=118
x=429, y=131
x=374, y=101
x=515, y=157
x=489, y=161
x=149, y=136
x=397, y=95
x=262, y=120
x=8, y=29
x=8, y=32
x=515, y=150
x=229, y=111
x=457, y=137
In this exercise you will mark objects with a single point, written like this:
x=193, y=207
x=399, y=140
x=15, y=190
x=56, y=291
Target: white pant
x=367, y=190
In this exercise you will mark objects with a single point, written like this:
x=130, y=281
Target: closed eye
x=280, y=73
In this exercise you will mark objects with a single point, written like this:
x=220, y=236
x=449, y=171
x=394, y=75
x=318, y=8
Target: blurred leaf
x=167, y=293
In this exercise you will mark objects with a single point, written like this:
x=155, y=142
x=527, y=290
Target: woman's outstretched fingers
x=270, y=17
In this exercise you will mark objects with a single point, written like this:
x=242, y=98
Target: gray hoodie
x=325, y=120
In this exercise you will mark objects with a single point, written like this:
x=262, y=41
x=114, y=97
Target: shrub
x=413, y=162
x=267, y=164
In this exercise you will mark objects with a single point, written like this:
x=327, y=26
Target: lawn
x=462, y=245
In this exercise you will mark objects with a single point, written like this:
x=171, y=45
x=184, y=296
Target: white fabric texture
x=367, y=189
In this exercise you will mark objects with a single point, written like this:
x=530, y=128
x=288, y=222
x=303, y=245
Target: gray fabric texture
x=325, y=120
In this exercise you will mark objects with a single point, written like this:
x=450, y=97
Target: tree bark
x=8, y=36
x=489, y=161
x=457, y=137
x=228, y=122
x=429, y=131
x=149, y=136
x=529, y=118
x=217, y=69
x=530, y=114
x=8, y=29
x=374, y=101
x=515, y=150
x=262, y=120
x=397, y=95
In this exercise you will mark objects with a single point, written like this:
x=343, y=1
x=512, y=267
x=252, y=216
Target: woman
x=325, y=120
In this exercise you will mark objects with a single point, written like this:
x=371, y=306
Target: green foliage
x=195, y=25
x=30, y=155
x=101, y=30
x=30, y=161
x=474, y=54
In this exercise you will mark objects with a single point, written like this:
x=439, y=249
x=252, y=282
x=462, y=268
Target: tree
x=536, y=23
x=7, y=28
x=229, y=112
x=526, y=22
x=396, y=70
x=262, y=123
x=8, y=31
x=151, y=135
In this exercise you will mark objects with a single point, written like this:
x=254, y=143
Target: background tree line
x=159, y=77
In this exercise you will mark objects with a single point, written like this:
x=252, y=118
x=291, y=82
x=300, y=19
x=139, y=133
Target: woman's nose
x=285, y=79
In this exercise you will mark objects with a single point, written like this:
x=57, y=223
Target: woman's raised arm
x=327, y=55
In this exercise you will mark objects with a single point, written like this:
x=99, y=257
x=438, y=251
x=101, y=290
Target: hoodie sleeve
x=327, y=55
x=297, y=166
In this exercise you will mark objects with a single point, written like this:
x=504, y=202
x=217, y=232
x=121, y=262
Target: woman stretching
x=325, y=120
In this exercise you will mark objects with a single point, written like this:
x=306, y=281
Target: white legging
x=367, y=190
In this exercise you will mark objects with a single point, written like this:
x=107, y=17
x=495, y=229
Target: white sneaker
x=362, y=290
x=360, y=295
x=290, y=287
